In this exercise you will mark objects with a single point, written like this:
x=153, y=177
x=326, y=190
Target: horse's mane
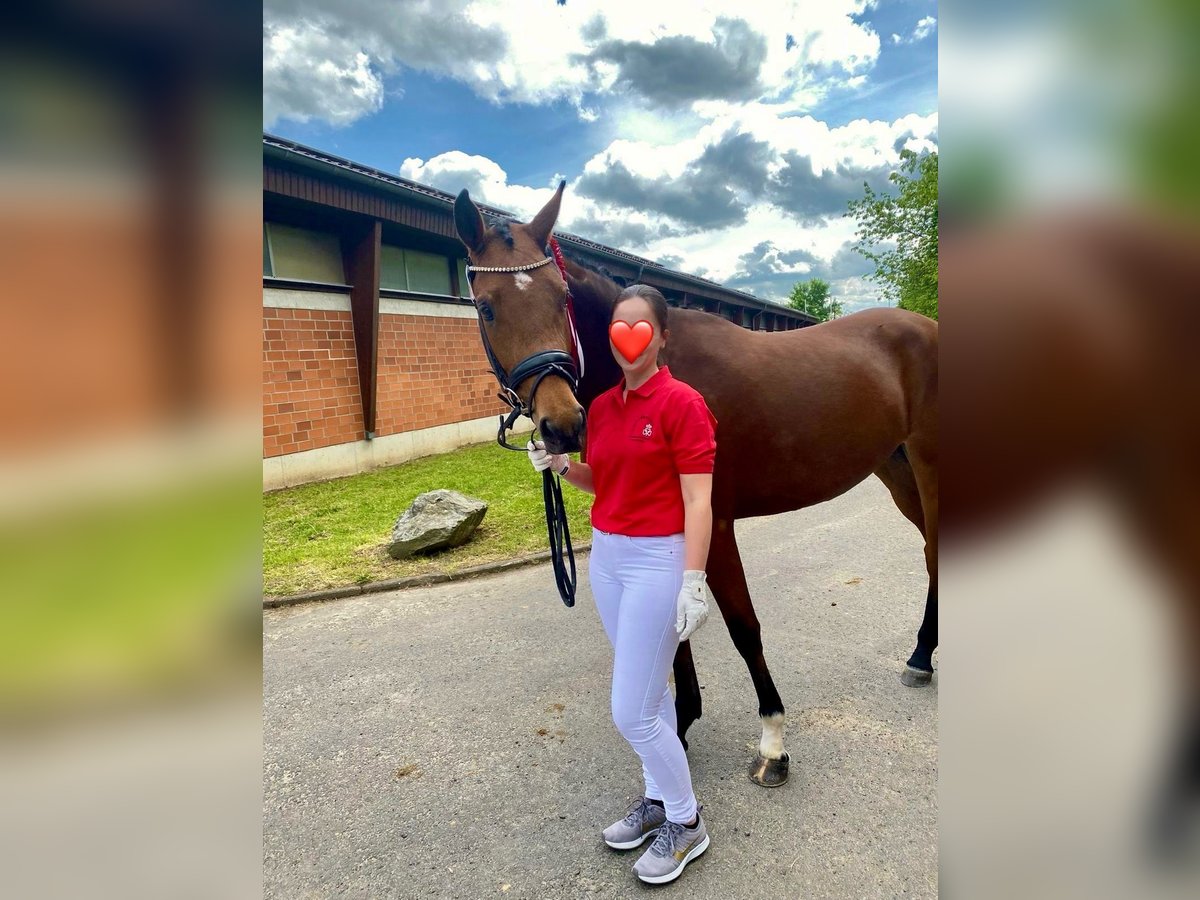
x=602, y=272
x=593, y=281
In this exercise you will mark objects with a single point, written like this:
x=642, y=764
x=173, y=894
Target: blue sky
x=721, y=138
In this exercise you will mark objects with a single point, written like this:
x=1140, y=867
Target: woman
x=650, y=450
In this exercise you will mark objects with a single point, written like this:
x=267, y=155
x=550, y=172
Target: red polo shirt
x=638, y=447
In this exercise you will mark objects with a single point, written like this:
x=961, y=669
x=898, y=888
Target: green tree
x=900, y=234
x=812, y=297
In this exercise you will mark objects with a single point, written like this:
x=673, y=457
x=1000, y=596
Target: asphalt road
x=455, y=740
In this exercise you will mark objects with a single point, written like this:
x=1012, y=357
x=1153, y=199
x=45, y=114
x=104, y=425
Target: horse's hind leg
x=897, y=474
x=728, y=582
x=687, y=691
x=919, y=670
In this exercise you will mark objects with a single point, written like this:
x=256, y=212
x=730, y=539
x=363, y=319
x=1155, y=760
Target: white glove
x=542, y=460
x=692, y=605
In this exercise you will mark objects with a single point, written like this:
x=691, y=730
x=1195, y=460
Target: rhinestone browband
x=526, y=267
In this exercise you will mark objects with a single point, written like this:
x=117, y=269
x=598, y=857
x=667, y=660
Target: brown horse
x=830, y=404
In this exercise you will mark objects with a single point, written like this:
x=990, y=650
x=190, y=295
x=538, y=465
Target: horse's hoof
x=769, y=772
x=911, y=677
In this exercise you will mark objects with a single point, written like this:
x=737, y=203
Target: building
x=371, y=352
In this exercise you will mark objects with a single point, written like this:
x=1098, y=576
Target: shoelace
x=664, y=843
x=637, y=812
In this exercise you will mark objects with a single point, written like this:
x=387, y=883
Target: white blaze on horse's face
x=523, y=280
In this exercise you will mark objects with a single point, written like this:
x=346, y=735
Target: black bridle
x=538, y=366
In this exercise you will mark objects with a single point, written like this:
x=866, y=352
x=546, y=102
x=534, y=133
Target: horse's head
x=524, y=312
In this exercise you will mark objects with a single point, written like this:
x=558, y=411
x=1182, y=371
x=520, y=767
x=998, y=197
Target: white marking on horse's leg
x=523, y=280
x=771, y=746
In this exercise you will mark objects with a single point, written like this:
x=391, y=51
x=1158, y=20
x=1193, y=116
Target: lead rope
x=559, y=533
x=558, y=530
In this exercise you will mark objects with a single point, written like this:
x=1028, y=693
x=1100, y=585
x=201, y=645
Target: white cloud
x=923, y=29
x=486, y=180
x=858, y=293
x=720, y=251
x=715, y=252
x=534, y=52
x=861, y=143
x=309, y=74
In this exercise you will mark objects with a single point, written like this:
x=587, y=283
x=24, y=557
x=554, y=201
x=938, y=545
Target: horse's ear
x=542, y=224
x=468, y=222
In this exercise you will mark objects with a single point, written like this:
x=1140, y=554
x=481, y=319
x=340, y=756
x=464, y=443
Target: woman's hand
x=541, y=460
x=691, y=607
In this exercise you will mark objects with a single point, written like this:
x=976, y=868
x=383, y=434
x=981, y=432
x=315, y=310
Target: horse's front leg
x=728, y=582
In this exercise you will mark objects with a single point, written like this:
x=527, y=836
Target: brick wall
x=432, y=371
x=310, y=381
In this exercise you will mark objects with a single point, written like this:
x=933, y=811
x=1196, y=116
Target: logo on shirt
x=641, y=429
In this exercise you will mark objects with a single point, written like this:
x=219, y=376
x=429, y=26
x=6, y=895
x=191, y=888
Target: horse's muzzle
x=562, y=437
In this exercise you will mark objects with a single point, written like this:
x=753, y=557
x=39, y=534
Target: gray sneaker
x=675, y=847
x=642, y=821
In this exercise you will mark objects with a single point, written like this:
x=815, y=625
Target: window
x=428, y=273
x=391, y=269
x=304, y=255
x=402, y=269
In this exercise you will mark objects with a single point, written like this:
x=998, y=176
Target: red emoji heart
x=631, y=340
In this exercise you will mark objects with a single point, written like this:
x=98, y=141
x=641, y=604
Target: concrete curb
x=393, y=584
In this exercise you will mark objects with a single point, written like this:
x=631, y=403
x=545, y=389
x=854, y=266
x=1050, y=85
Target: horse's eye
x=485, y=310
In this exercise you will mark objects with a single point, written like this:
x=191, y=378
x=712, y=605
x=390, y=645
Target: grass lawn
x=335, y=533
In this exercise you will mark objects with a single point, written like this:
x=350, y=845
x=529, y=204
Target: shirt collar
x=651, y=384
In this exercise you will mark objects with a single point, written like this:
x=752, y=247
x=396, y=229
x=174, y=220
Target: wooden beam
x=364, y=311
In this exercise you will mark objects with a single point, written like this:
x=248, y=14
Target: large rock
x=436, y=520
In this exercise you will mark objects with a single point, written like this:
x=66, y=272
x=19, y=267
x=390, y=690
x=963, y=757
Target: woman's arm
x=580, y=475
x=697, y=518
